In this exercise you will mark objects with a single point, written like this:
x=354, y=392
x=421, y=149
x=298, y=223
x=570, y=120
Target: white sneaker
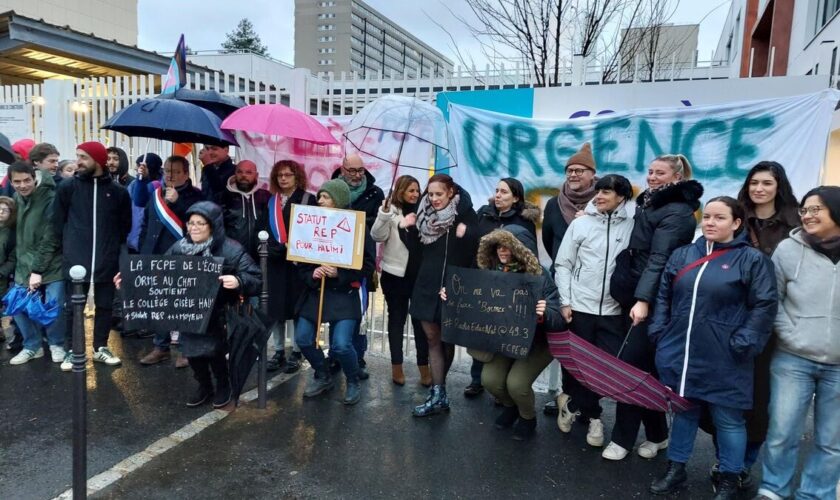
x=614, y=452
x=25, y=355
x=103, y=355
x=58, y=353
x=565, y=418
x=649, y=449
x=67, y=363
x=595, y=435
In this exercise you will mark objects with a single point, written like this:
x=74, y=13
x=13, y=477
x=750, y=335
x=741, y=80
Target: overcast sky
x=205, y=22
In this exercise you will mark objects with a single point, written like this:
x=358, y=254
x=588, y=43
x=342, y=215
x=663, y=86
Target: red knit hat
x=23, y=147
x=96, y=151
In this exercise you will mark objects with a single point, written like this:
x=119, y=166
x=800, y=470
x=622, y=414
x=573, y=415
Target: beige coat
x=386, y=230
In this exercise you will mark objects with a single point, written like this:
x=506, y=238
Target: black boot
x=293, y=363
x=221, y=372
x=437, y=402
x=507, y=417
x=353, y=392
x=551, y=408
x=728, y=487
x=363, y=373
x=320, y=383
x=277, y=362
x=201, y=373
x=674, y=478
x=523, y=429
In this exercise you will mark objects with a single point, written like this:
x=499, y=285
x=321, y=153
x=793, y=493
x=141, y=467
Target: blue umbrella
x=220, y=104
x=6, y=153
x=170, y=120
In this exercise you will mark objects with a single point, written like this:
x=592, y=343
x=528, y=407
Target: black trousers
x=397, y=297
x=604, y=332
x=103, y=300
x=640, y=353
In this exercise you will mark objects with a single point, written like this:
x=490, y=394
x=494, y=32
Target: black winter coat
x=342, y=299
x=155, y=238
x=369, y=202
x=720, y=314
x=214, y=178
x=553, y=228
x=665, y=225
x=237, y=263
x=448, y=250
x=489, y=218
x=78, y=202
x=244, y=214
x=284, y=284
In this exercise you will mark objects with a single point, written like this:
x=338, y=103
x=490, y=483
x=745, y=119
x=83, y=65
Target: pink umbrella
x=279, y=120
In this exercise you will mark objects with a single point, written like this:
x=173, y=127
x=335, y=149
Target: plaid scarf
x=431, y=223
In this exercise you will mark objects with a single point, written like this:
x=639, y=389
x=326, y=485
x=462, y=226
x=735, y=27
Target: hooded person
x=575, y=193
x=117, y=165
x=92, y=219
x=342, y=308
x=244, y=206
x=141, y=190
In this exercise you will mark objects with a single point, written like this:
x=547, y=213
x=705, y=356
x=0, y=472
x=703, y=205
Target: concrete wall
x=108, y=19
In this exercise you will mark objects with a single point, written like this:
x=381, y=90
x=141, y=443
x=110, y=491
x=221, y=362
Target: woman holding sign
x=447, y=229
x=510, y=380
x=342, y=308
x=240, y=276
x=714, y=312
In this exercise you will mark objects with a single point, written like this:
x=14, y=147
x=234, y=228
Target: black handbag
x=623, y=281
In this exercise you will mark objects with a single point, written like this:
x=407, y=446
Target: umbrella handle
x=624, y=342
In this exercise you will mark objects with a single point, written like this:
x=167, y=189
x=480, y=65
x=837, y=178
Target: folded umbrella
x=170, y=120
x=248, y=332
x=42, y=313
x=15, y=300
x=608, y=376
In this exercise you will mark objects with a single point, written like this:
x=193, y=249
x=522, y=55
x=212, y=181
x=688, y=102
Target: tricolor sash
x=275, y=219
x=167, y=216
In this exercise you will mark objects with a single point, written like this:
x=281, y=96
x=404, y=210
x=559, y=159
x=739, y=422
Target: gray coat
x=808, y=321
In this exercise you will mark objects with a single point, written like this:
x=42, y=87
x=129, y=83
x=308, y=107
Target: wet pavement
x=300, y=449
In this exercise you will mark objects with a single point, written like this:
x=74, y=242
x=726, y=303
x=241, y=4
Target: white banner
x=722, y=142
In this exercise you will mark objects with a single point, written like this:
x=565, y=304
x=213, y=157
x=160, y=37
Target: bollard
x=262, y=377
x=78, y=299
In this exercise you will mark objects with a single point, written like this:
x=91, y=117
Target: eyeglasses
x=196, y=224
x=286, y=175
x=576, y=171
x=812, y=210
x=355, y=171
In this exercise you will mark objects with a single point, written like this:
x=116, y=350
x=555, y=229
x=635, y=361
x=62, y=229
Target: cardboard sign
x=327, y=236
x=169, y=293
x=490, y=310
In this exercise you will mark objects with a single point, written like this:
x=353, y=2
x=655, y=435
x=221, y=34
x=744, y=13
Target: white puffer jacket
x=386, y=230
x=586, y=260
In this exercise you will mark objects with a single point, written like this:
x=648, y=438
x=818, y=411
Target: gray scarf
x=188, y=248
x=431, y=223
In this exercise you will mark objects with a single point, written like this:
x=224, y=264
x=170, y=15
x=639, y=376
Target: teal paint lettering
x=740, y=152
x=522, y=139
x=647, y=138
x=710, y=126
x=558, y=154
x=602, y=146
x=474, y=142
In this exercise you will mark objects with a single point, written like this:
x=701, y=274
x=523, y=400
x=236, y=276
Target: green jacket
x=38, y=249
x=7, y=257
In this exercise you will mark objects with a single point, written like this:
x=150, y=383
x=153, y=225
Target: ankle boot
x=727, y=489
x=321, y=382
x=397, y=374
x=673, y=478
x=425, y=375
x=507, y=417
x=524, y=429
x=437, y=402
x=201, y=373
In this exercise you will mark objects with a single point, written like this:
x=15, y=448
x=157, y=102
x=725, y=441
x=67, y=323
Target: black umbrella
x=220, y=104
x=6, y=153
x=170, y=120
x=248, y=333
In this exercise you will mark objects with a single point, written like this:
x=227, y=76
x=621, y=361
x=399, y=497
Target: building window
x=328, y=15
x=326, y=39
x=326, y=27
x=326, y=62
x=326, y=4
x=825, y=11
x=329, y=50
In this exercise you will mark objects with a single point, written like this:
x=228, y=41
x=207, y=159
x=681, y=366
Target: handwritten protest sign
x=330, y=236
x=169, y=293
x=490, y=310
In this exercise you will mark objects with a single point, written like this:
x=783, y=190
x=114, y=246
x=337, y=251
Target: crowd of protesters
x=742, y=320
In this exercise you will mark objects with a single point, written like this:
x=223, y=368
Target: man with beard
x=92, y=218
x=244, y=206
x=366, y=197
x=117, y=165
x=217, y=169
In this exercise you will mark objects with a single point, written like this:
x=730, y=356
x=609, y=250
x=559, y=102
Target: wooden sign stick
x=320, y=313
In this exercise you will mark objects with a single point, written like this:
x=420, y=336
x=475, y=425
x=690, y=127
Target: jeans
x=103, y=299
x=341, y=345
x=360, y=342
x=731, y=436
x=32, y=332
x=794, y=381
x=162, y=340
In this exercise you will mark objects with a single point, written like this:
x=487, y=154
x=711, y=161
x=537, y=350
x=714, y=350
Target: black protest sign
x=490, y=310
x=169, y=293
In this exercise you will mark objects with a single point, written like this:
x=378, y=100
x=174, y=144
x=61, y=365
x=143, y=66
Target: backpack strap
x=700, y=262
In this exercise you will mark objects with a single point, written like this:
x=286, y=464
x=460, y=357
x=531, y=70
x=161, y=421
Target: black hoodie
x=122, y=176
